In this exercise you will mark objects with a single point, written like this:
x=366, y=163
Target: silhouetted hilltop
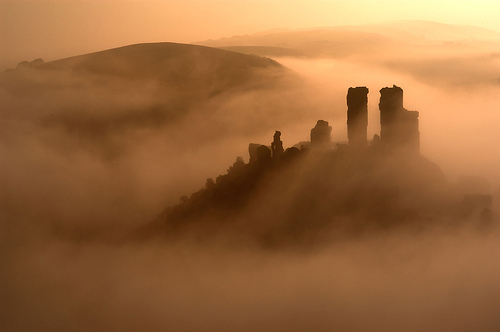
x=322, y=190
x=102, y=97
x=179, y=66
x=304, y=196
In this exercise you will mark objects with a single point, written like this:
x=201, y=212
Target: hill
x=174, y=66
x=178, y=66
x=309, y=198
x=100, y=98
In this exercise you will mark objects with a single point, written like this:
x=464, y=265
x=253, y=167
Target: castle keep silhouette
x=399, y=132
x=399, y=127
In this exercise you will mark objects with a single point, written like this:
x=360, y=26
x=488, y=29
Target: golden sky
x=57, y=28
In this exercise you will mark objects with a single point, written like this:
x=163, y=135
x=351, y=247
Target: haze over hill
x=98, y=99
x=434, y=53
x=452, y=71
x=96, y=146
x=104, y=108
x=175, y=68
x=178, y=66
x=408, y=32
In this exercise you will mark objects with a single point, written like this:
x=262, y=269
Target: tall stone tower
x=357, y=116
x=398, y=126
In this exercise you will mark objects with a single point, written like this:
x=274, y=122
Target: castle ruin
x=357, y=116
x=398, y=126
x=321, y=136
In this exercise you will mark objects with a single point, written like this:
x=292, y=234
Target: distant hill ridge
x=348, y=40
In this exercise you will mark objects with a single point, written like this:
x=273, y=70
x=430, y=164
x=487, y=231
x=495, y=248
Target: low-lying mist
x=394, y=281
x=85, y=161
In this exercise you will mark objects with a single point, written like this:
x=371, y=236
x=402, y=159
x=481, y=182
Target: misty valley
x=273, y=181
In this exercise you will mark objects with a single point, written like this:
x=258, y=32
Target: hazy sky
x=57, y=28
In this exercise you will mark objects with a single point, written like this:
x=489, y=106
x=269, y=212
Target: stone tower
x=277, y=145
x=321, y=136
x=357, y=116
x=398, y=126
